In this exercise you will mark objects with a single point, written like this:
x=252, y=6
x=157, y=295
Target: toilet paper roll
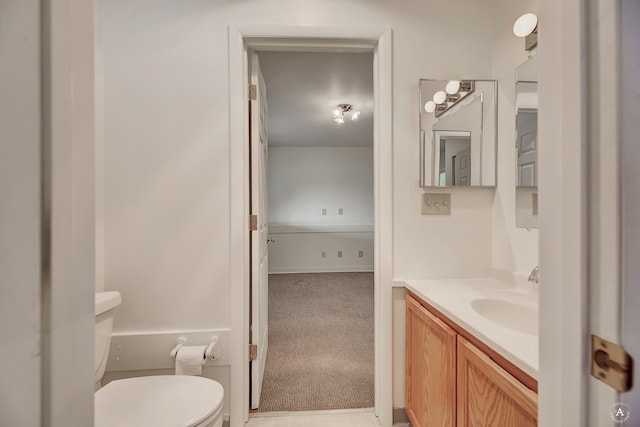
x=190, y=359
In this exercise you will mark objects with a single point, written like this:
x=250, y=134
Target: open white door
x=615, y=207
x=259, y=230
x=630, y=177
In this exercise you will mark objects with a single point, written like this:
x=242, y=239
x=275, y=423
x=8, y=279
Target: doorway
x=375, y=39
x=320, y=219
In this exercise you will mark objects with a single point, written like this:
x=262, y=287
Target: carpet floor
x=321, y=334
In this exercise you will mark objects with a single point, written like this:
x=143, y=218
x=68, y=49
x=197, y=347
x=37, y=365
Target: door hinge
x=253, y=352
x=253, y=92
x=611, y=364
x=253, y=222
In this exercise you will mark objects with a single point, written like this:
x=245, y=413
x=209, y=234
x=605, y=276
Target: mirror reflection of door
x=526, y=139
x=527, y=146
x=454, y=158
x=462, y=171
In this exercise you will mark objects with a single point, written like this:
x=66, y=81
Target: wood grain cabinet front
x=490, y=396
x=451, y=380
x=430, y=369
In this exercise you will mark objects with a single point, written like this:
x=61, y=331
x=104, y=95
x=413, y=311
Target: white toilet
x=154, y=401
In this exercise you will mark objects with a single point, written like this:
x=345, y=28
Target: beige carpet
x=320, y=342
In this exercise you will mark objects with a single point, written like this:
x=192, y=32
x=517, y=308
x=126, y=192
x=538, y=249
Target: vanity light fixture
x=439, y=97
x=527, y=26
x=454, y=91
x=452, y=87
x=430, y=106
x=344, y=109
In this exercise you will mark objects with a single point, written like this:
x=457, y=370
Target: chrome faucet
x=533, y=277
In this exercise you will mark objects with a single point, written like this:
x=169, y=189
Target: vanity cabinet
x=431, y=369
x=490, y=396
x=452, y=379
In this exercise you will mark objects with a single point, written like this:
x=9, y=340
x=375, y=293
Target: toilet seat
x=159, y=401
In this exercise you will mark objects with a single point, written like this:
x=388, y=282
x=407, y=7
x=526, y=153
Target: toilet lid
x=160, y=401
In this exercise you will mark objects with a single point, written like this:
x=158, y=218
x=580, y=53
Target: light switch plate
x=436, y=204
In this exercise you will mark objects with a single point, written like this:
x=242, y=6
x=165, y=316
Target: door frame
x=309, y=38
x=563, y=240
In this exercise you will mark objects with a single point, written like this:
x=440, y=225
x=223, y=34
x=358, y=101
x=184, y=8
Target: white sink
x=512, y=315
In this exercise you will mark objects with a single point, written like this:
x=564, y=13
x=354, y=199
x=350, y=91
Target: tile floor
x=338, y=418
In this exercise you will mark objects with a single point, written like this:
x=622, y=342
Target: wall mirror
x=458, y=133
x=526, y=105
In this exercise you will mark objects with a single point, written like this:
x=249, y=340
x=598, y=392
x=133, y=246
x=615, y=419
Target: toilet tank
x=106, y=302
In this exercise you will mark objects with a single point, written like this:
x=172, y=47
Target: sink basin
x=519, y=317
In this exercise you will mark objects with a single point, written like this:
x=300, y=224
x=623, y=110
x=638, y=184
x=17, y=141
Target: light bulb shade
x=430, y=106
x=336, y=113
x=339, y=120
x=525, y=25
x=439, y=97
x=452, y=87
x=355, y=115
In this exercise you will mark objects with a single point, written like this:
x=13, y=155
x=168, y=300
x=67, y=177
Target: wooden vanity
x=453, y=379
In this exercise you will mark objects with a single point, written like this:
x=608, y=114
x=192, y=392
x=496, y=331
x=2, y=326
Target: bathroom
x=155, y=190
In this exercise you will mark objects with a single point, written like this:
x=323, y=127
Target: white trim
x=263, y=36
x=563, y=215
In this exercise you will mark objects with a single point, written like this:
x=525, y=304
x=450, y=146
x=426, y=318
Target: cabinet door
x=490, y=396
x=430, y=369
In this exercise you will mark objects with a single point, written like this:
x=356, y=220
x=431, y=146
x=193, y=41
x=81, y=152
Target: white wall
x=304, y=181
x=514, y=249
x=166, y=171
x=167, y=146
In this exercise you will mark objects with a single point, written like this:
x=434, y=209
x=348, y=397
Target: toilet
x=158, y=401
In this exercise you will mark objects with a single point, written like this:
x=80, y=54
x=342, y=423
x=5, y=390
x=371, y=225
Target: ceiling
x=304, y=88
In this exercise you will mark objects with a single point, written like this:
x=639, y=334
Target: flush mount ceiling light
x=454, y=91
x=527, y=26
x=343, y=110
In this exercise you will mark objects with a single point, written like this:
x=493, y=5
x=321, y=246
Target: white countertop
x=452, y=297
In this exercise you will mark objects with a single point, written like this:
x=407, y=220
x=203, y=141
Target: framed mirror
x=458, y=133
x=526, y=117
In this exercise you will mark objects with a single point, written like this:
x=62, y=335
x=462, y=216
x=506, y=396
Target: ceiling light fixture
x=344, y=109
x=527, y=26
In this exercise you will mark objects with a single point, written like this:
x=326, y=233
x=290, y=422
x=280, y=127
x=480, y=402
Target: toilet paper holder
x=208, y=353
